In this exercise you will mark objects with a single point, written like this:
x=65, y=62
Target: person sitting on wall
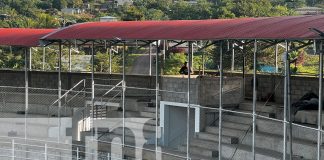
x=184, y=69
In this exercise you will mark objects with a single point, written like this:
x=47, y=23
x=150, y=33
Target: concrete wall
x=273, y=86
x=204, y=90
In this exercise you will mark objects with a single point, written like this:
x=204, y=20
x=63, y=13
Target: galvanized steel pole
x=320, y=99
x=30, y=58
x=220, y=100
x=59, y=88
x=26, y=91
x=289, y=106
x=233, y=58
x=276, y=58
x=150, y=57
x=285, y=102
x=190, y=52
x=44, y=51
x=124, y=89
x=254, y=96
x=110, y=55
x=92, y=89
x=157, y=86
x=70, y=58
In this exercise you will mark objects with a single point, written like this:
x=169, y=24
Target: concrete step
x=150, y=109
x=242, y=152
x=260, y=107
x=226, y=131
x=119, y=114
x=148, y=122
x=128, y=139
x=148, y=114
x=234, y=125
x=146, y=134
x=200, y=151
x=238, y=119
x=265, y=114
x=301, y=148
x=276, y=128
x=214, y=137
x=308, y=117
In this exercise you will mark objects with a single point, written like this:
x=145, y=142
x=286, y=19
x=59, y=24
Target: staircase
x=237, y=137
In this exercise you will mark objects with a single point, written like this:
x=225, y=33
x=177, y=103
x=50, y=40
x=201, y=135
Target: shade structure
x=24, y=37
x=289, y=27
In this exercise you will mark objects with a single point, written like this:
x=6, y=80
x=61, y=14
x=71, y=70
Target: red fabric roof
x=292, y=27
x=22, y=36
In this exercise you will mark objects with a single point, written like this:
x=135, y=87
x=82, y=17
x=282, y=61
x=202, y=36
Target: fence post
x=13, y=149
x=45, y=151
x=77, y=154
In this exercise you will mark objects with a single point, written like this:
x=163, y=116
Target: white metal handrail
x=68, y=91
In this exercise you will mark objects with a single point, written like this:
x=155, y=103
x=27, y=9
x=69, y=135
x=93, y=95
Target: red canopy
x=22, y=36
x=291, y=27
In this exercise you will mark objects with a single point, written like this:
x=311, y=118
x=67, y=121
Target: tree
x=131, y=13
x=46, y=21
x=77, y=3
x=59, y=4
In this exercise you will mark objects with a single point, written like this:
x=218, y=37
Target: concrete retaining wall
x=273, y=86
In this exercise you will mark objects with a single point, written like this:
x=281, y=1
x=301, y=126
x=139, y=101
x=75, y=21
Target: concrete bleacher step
x=148, y=114
x=265, y=114
x=128, y=139
x=301, y=148
x=238, y=119
x=260, y=106
x=149, y=109
x=241, y=151
x=274, y=127
x=200, y=151
x=307, y=117
x=148, y=122
x=214, y=137
x=226, y=131
x=234, y=125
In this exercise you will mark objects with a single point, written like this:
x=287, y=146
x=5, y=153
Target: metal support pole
x=164, y=41
x=70, y=58
x=44, y=52
x=203, y=63
x=285, y=102
x=314, y=47
x=110, y=56
x=157, y=87
x=254, y=95
x=92, y=88
x=276, y=54
x=59, y=89
x=77, y=153
x=30, y=58
x=13, y=149
x=289, y=107
x=320, y=99
x=124, y=89
x=220, y=100
x=190, y=53
x=45, y=151
x=233, y=58
x=150, y=56
x=26, y=90
x=243, y=74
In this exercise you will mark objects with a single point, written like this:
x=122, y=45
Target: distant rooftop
x=309, y=10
